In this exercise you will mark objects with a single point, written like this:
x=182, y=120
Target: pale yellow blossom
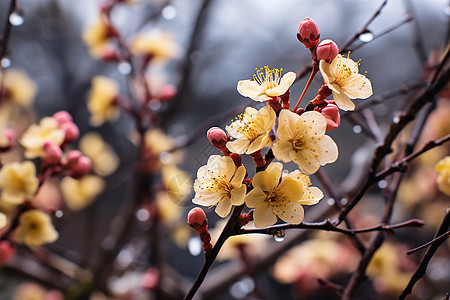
x=302, y=139
x=311, y=195
x=101, y=100
x=20, y=89
x=342, y=77
x=79, y=193
x=35, y=229
x=272, y=198
x=266, y=84
x=251, y=130
x=36, y=135
x=443, y=167
x=220, y=182
x=104, y=159
x=157, y=44
x=18, y=182
x=178, y=183
x=96, y=36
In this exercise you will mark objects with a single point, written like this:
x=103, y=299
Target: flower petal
x=311, y=196
x=223, y=207
x=263, y=215
x=238, y=177
x=254, y=197
x=343, y=101
x=357, y=86
x=290, y=212
x=259, y=143
x=286, y=81
x=329, y=150
x=265, y=180
x=251, y=89
x=238, y=194
x=239, y=146
x=306, y=161
x=316, y=122
x=282, y=149
x=287, y=124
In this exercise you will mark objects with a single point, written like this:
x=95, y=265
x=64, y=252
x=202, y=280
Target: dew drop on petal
x=357, y=129
x=5, y=62
x=366, y=36
x=16, y=18
x=59, y=213
x=242, y=288
x=382, y=184
x=124, y=68
x=330, y=201
x=279, y=235
x=169, y=12
x=195, y=246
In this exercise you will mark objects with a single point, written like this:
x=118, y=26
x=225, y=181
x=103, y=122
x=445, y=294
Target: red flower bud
x=331, y=114
x=308, y=33
x=82, y=167
x=71, y=132
x=53, y=153
x=217, y=137
x=327, y=50
x=62, y=117
x=197, y=218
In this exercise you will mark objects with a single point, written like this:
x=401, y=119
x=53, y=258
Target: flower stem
x=311, y=77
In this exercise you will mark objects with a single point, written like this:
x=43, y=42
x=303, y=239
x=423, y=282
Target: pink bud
x=167, y=92
x=196, y=217
x=52, y=153
x=217, y=137
x=327, y=50
x=7, y=251
x=71, y=132
x=331, y=114
x=82, y=167
x=10, y=135
x=62, y=117
x=308, y=33
x=151, y=279
x=72, y=158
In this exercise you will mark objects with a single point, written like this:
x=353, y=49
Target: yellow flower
x=157, y=44
x=104, y=160
x=443, y=167
x=342, y=77
x=96, y=36
x=270, y=198
x=79, y=193
x=19, y=87
x=35, y=229
x=18, y=182
x=220, y=182
x=302, y=139
x=101, y=100
x=36, y=135
x=3, y=220
x=251, y=130
x=311, y=195
x=266, y=84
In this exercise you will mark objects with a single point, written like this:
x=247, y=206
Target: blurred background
x=221, y=42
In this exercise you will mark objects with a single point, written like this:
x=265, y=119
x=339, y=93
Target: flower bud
x=217, y=137
x=72, y=158
x=331, y=114
x=7, y=251
x=197, y=217
x=167, y=92
x=52, y=153
x=82, y=167
x=62, y=117
x=71, y=132
x=327, y=50
x=308, y=33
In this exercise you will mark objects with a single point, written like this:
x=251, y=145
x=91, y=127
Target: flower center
x=268, y=78
x=298, y=142
x=246, y=126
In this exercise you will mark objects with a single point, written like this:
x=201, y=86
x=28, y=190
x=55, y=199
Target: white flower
x=270, y=198
x=251, y=130
x=266, y=84
x=302, y=139
x=342, y=77
x=220, y=182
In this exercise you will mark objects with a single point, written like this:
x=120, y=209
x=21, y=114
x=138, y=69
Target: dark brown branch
x=438, y=239
x=422, y=269
x=7, y=30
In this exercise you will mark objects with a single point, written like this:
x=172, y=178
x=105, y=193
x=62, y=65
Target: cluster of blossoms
x=292, y=135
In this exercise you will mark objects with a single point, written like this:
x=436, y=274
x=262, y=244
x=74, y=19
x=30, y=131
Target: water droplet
x=366, y=36
x=382, y=184
x=143, y=214
x=242, y=288
x=396, y=119
x=59, y=213
x=195, y=246
x=5, y=63
x=331, y=202
x=16, y=18
x=447, y=10
x=279, y=235
x=357, y=129
x=169, y=12
x=124, y=68
x=344, y=201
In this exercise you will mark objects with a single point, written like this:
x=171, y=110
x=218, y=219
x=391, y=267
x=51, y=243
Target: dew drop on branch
x=366, y=36
x=16, y=18
x=279, y=235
